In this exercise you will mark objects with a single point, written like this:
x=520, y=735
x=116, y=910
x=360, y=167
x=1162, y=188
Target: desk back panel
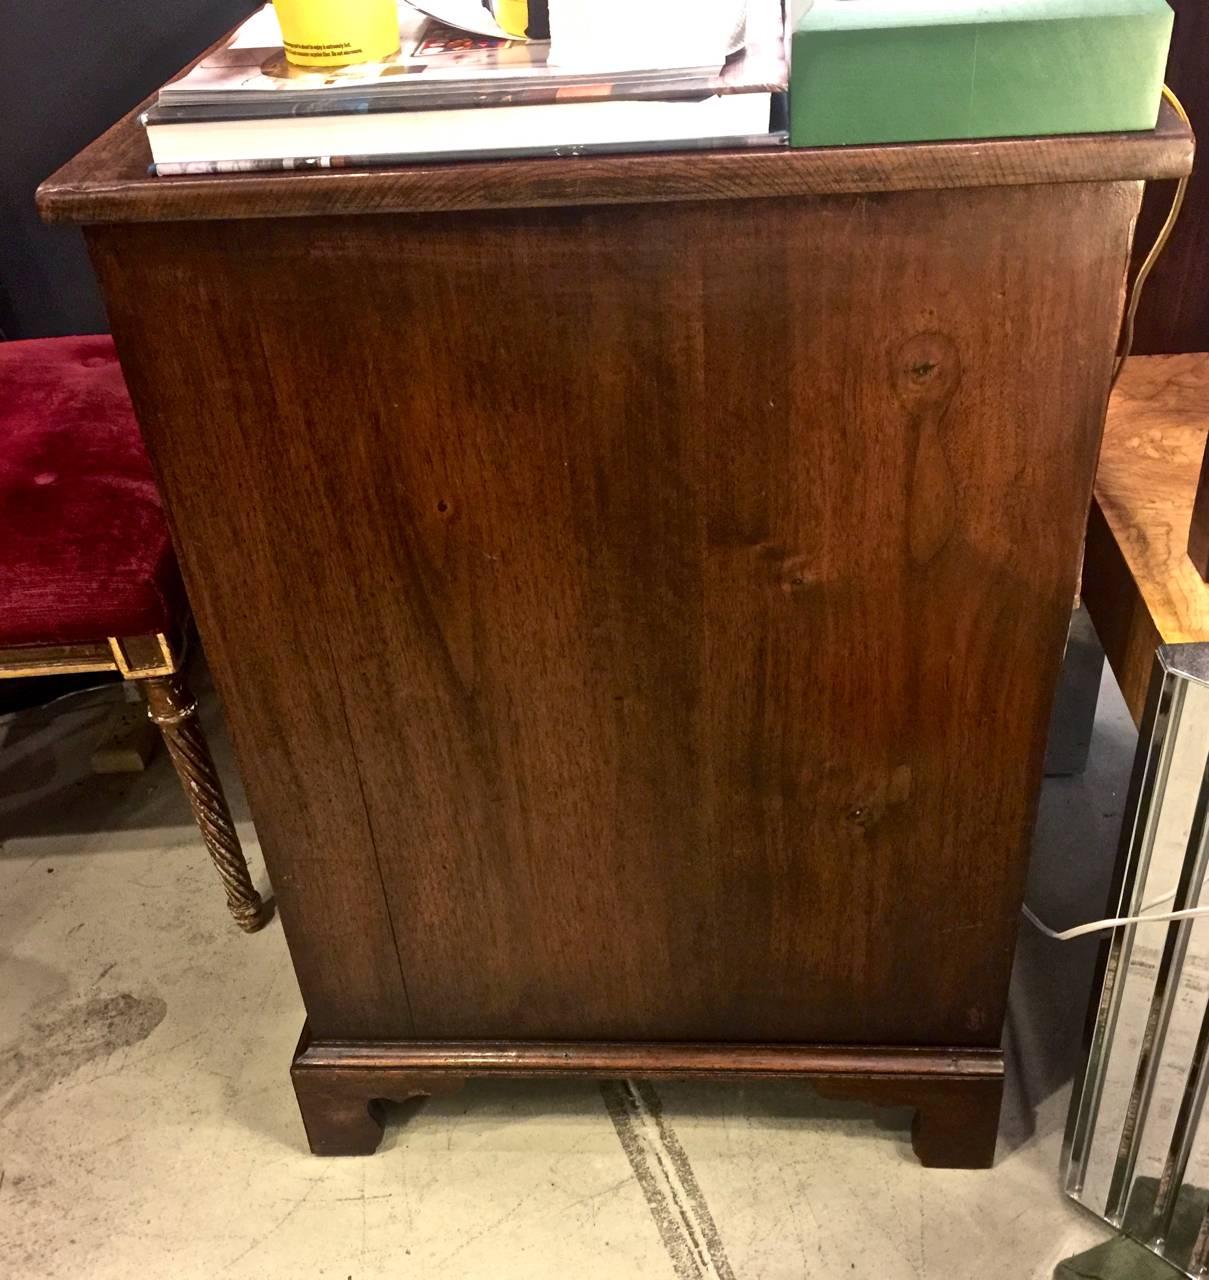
x=638, y=622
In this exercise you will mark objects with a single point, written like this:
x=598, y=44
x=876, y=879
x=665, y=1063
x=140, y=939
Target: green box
x=913, y=70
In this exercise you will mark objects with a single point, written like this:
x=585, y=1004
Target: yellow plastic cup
x=522, y=18
x=335, y=33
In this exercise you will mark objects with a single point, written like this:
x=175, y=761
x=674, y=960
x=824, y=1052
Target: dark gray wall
x=1174, y=315
x=68, y=70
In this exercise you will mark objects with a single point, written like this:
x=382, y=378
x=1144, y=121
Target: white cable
x=1099, y=926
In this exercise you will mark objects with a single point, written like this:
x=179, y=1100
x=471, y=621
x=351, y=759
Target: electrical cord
x=1097, y=926
x=1100, y=926
x=1156, y=250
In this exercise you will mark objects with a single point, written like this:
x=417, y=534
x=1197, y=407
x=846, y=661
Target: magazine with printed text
x=439, y=65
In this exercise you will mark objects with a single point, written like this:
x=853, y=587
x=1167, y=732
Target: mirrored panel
x=1137, y=1147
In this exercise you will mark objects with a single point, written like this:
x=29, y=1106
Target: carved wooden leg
x=342, y=1107
x=956, y=1120
x=173, y=709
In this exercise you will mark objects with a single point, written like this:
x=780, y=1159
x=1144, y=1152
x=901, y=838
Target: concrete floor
x=148, y=1129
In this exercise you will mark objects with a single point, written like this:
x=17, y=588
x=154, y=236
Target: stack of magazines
x=450, y=93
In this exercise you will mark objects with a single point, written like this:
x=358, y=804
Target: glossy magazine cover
x=440, y=65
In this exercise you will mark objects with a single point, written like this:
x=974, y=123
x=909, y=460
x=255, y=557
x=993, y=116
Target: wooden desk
x=636, y=587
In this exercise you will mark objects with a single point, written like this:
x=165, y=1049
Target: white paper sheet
x=667, y=33
x=584, y=33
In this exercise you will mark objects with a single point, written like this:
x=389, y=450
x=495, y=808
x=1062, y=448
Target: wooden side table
x=1140, y=588
x=637, y=587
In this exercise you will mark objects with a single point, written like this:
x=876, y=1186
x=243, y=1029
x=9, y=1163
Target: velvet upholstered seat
x=87, y=569
x=84, y=549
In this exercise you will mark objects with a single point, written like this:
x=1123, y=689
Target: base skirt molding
x=956, y=1093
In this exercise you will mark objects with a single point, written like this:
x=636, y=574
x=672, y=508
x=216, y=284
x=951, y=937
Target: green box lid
x=866, y=71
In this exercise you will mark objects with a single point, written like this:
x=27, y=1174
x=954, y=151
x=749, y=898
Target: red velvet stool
x=88, y=578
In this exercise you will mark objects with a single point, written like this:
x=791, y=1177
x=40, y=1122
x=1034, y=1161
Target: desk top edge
x=109, y=180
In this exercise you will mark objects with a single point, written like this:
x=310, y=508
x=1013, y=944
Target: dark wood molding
x=109, y=181
x=956, y=1092
x=682, y=1061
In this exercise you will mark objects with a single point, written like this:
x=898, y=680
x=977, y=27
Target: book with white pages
x=448, y=96
x=567, y=127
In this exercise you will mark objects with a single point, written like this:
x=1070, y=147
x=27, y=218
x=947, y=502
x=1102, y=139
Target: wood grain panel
x=659, y=607
x=897, y=629
x=250, y=533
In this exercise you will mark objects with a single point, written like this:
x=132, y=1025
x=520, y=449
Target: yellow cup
x=335, y=33
x=522, y=17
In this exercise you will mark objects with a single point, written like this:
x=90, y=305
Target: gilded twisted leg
x=173, y=709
